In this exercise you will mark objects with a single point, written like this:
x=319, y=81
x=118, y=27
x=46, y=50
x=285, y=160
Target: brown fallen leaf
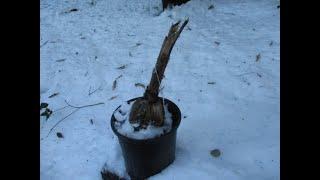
x=59, y=134
x=114, y=85
x=122, y=67
x=60, y=60
x=43, y=105
x=258, y=56
x=215, y=153
x=71, y=10
x=113, y=97
x=140, y=84
x=271, y=43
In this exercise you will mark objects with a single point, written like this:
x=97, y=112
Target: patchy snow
x=124, y=127
x=228, y=97
x=123, y=112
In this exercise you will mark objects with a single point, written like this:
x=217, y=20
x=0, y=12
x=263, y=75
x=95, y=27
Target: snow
x=124, y=127
x=123, y=112
x=238, y=114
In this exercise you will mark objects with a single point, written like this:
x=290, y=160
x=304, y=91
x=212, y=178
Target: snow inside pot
x=146, y=152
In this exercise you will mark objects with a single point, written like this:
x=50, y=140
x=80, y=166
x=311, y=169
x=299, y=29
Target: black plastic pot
x=147, y=157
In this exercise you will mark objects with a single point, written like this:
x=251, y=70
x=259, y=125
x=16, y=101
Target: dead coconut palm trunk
x=149, y=109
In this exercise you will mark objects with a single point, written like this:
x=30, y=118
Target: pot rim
x=149, y=140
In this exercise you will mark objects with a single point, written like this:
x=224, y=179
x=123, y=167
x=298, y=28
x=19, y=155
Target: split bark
x=152, y=91
x=150, y=109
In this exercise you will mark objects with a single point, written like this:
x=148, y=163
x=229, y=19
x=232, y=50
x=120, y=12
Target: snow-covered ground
x=238, y=112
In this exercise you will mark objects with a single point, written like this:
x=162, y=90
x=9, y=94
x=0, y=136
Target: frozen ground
x=238, y=112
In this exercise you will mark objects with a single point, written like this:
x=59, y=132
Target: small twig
x=61, y=121
x=44, y=44
x=245, y=73
x=53, y=95
x=77, y=108
x=140, y=84
x=89, y=90
x=59, y=109
x=119, y=77
x=113, y=97
x=94, y=90
x=71, y=10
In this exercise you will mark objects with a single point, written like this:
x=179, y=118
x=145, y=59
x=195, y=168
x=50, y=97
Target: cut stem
x=152, y=91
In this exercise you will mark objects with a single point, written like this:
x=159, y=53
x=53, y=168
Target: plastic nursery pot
x=147, y=157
